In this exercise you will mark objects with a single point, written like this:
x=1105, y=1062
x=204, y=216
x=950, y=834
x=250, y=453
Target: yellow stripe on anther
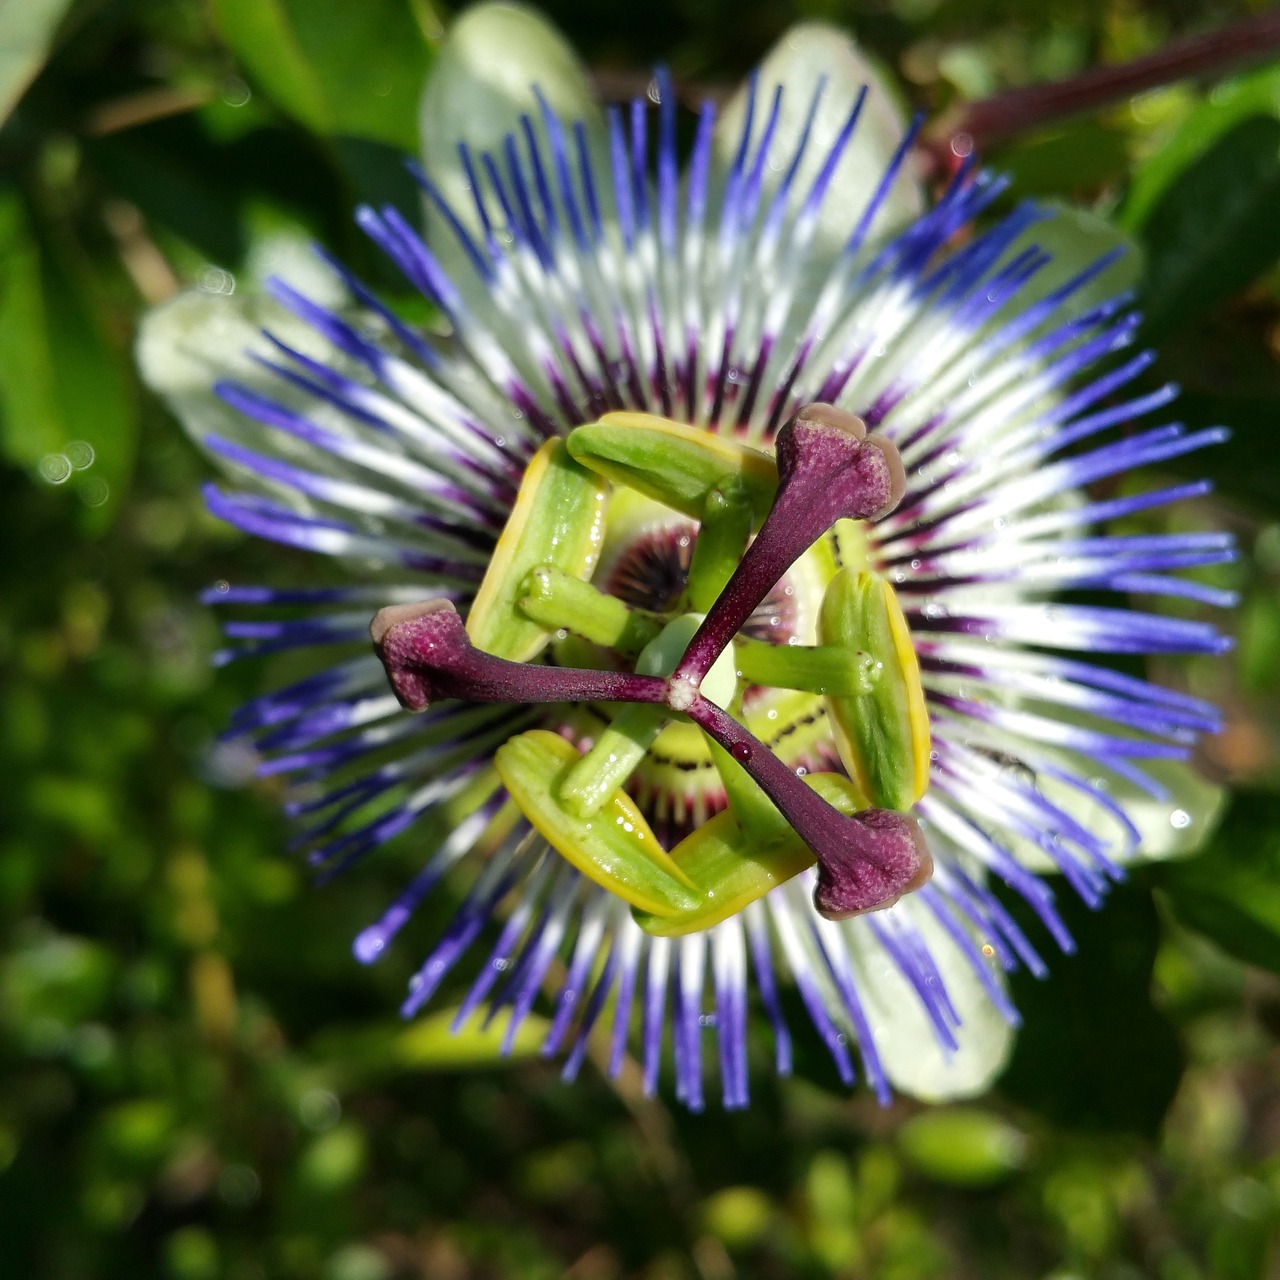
x=734, y=865
x=615, y=846
x=883, y=735
x=557, y=521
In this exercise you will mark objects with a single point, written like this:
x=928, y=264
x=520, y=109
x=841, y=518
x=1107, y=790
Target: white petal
x=483, y=81
x=913, y=1059
x=805, y=54
x=1077, y=238
x=197, y=338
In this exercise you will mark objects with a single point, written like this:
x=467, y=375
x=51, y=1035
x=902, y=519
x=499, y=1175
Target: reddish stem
x=980, y=125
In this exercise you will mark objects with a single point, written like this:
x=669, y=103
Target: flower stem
x=979, y=125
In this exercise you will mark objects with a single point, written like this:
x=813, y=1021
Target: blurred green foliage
x=199, y=1082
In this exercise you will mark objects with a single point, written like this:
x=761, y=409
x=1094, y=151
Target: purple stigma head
x=888, y=858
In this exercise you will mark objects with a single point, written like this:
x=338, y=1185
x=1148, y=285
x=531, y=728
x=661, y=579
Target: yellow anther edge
x=891, y=721
x=558, y=521
x=917, y=708
x=734, y=866
x=615, y=847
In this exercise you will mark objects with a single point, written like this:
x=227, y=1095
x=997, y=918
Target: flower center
x=657, y=582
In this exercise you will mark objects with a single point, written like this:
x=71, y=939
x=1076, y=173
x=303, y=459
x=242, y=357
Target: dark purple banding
x=828, y=469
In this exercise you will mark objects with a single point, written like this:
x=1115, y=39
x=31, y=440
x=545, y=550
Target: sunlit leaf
x=27, y=31
x=355, y=69
x=963, y=1146
x=1214, y=228
x=1231, y=893
x=66, y=396
x=1227, y=106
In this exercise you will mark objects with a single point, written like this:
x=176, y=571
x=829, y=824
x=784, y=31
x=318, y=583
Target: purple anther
x=865, y=862
x=428, y=655
x=828, y=469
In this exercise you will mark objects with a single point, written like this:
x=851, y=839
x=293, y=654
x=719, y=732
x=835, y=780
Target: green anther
x=614, y=847
x=826, y=669
x=722, y=538
x=613, y=758
x=882, y=735
x=676, y=464
x=558, y=601
x=557, y=520
x=734, y=864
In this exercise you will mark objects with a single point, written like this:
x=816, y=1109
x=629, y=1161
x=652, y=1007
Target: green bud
x=557, y=521
x=733, y=864
x=963, y=1146
x=614, y=847
x=675, y=464
x=882, y=735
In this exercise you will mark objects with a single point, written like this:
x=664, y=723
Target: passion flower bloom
x=732, y=548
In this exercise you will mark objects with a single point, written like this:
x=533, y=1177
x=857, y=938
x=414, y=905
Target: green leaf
x=354, y=69
x=963, y=1146
x=1077, y=238
x=1214, y=229
x=432, y=1043
x=1093, y=1052
x=66, y=395
x=1231, y=892
x=1233, y=465
x=180, y=178
x=1228, y=105
x=27, y=30
x=1081, y=156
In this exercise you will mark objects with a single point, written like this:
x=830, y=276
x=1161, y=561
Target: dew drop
x=741, y=751
x=1179, y=819
x=54, y=468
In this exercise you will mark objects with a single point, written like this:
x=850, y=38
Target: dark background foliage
x=199, y=1082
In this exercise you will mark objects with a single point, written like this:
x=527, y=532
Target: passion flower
x=730, y=552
